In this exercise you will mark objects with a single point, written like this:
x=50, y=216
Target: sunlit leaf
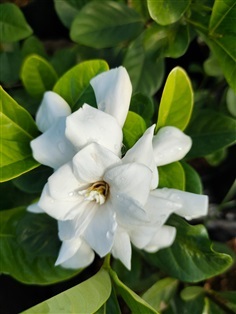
x=176, y=101
x=17, y=130
x=13, y=25
x=86, y=297
x=103, y=24
x=38, y=76
x=191, y=257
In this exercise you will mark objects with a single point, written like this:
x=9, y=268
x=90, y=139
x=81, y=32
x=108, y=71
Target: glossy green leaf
x=172, y=176
x=193, y=181
x=176, y=101
x=141, y=7
x=103, y=24
x=133, y=129
x=146, y=74
x=191, y=292
x=166, y=12
x=29, y=248
x=75, y=82
x=194, y=306
x=37, y=75
x=86, y=297
x=64, y=59
x=167, y=41
x=210, y=131
x=33, y=45
x=17, y=130
x=13, y=25
x=68, y=9
x=221, y=38
x=10, y=62
x=191, y=257
x=161, y=293
x=142, y=105
x=136, y=304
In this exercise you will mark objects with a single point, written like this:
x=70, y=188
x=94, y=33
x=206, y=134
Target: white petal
x=142, y=235
x=66, y=229
x=142, y=152
x=164, y=237
x=131, y=179
x=89, y=163
x=75, y=254
x=113, y=91
x=90, y=125
x=169, y=145
x=52, y=107
x=122, y=247
x=52, y=148
x=99, y=233
x=190, y=205
x=34, y=208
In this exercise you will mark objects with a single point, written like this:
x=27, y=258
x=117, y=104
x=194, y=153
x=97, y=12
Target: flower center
x=97, y=192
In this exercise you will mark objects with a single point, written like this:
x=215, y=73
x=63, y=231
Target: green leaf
x=64, y=59
x=75, y=82
x=33, y=45
x=161, y=293
x=22, y=232
x=17, y=130
x=231, y=101
x=136, y=304
x=167, y=41
x=37, y=75
x=193, y=182
x=229, y=298
x=141, y=7
x=191, y=292
x=103, y=24
x=211, y=307
x=68, y=9
x=194, y=306
x=142, y=105
x=221, y=38
x=176, y=101
x=10, y=61
x=210, y=131
x=86, y=297
x=166, y=12
x=172, y=176
x=133, y=129
x=145, y=73
x=191, y=257
x=13, y=26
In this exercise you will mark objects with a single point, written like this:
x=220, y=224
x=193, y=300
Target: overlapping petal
x=113, y=91
x=170, y=144
x=52, y=107
x=122, y=247
x=52, y=148
x=90, y=125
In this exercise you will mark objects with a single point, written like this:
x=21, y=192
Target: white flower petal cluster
x=103, y=202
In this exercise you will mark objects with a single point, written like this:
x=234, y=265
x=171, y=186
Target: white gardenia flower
x=55, y=147
x=104, y=203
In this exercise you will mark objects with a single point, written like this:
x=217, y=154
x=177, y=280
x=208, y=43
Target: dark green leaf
x=142, y=105
x=33, y=45
x=133, y=129
x=75, y=82
x=134, y=302
x=141, y=7
x=63, y=60
x=172, y=176
x=10, y=61
x=166, y=12
x=191, y=257
x=17, y=130
x=191, y=292
x=86, y=297
x=210, y=131
x=212, y=308
x=13, y=26
x=103, y=24
x=176, y=101
x=193, y=182
x=38, y=76
x=17, y=260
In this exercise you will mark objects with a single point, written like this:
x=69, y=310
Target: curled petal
x=142, y=152
x=90, y=125
x=143, y=234
x=52, y=107
x=100, y=232
x=90, y=163
x=188, y=205
x=131, y=179
x=34, y=208
x=163, y=238
x=169, y=145
x=122, y=247
x=52, y=148
x=74, y=254
x=113, y=91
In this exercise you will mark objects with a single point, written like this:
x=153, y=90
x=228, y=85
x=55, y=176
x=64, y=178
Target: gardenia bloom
x=104, y=203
